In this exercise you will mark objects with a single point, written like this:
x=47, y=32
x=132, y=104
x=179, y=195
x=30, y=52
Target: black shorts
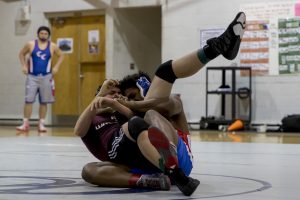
x=124, y=151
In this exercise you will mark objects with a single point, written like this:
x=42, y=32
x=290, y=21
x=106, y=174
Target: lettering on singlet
x=101, y=125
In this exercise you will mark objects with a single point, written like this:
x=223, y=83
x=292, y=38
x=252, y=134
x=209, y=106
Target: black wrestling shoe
x=228, y=43
x=186, y=185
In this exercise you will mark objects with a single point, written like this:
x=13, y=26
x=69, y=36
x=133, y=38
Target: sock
x=207, y=54
x=25, y=121
x=42, y=121
x=133, y=181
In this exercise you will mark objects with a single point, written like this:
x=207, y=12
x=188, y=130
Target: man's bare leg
x=27, y=114
x=108, y=174
x=226, y=44
x=156, y=148
x=42, y=111
x=154, y=118
x=42, y=116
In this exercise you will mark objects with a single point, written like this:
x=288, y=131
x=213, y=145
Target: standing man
x=39, y=74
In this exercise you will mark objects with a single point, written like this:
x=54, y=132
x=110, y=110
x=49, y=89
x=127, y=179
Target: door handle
x=81, y=76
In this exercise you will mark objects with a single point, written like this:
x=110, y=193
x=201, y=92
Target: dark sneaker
x=143, y=84
x=189, y=188
x=186, y=185
x=155, y=181
x=228, y=43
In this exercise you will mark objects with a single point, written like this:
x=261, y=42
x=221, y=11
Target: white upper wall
x=14, y=38
x=273, y=96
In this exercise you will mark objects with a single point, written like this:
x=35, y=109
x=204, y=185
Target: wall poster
x=65, y=45
x=254, y=50
x=289, y=45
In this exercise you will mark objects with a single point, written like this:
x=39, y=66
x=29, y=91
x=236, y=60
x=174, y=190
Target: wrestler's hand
x=107, y=86
x=101, y=102
x=120, y=97
x=54, y=70
x=25, y=69
x=125, y=102
x=144, y=105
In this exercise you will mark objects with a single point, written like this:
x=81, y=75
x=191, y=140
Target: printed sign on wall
x=93, y=41
x=206, y=34
x=289, y=45
x=272, y=12
x=254, y=50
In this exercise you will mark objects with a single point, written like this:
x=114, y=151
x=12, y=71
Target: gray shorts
x=42, y=85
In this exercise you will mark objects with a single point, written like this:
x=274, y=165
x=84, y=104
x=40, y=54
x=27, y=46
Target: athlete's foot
x=155, y=181
x=189, y=188
x=42, y=128
x=168, y=153
x=186, y=185
x=23, y=128
x=228, y=43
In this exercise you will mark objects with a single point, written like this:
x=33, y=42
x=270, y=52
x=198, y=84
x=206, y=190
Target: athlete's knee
x=97, y=172
x=136, y=126
x=165, y=72
x=176, y=103
x=150, y=115
x=87, y=173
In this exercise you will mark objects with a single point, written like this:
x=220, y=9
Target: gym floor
x=235, y=166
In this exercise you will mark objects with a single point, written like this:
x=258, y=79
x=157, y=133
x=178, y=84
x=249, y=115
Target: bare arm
x=60, y=56
x=103, y=102
x=22, y=57
x=84, y=121
x=100, y=103
x=166, y=106
x=122, y=109
x=142, y=106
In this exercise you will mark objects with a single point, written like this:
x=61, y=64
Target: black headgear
x=43, y=28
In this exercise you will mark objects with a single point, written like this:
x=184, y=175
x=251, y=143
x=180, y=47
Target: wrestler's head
x=43, y=33
x=135, y=86
x=114, y=92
